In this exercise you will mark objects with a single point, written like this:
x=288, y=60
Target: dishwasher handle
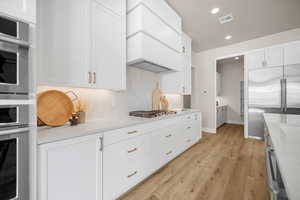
x=272, y=181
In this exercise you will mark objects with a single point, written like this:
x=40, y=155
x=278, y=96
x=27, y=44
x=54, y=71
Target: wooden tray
x=55, y=108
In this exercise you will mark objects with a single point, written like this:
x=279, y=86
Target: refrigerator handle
x=282, y=95
x=285, y=94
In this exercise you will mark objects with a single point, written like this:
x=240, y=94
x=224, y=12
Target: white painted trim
x=235, y=122
x=255, y=138
x=209, y=130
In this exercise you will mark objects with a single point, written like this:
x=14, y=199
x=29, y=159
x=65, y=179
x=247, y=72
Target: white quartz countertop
x=50, y=134
x=284, y=131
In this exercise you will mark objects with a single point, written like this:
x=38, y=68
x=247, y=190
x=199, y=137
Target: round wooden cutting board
x=55, y=108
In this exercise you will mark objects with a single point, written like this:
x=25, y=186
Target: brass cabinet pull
x=90, y=77
x=131, y=175
x=133, y=150
x=169, y=153
x=95, y=77
x=132, y=132
x=170, y=135
x=101, y=144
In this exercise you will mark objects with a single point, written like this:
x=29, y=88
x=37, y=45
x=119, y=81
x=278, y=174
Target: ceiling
x=252, y=19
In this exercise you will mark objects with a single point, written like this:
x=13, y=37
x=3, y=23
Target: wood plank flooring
x=222, y=166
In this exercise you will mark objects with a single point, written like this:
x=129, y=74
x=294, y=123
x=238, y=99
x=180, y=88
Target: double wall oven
x=14, y=118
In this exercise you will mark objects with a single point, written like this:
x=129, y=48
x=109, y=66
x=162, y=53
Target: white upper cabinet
x=153, y=36
x=172, y=83
x=255, y=59
x=274, y=56
x=64, y=46
x=180, y=82
x=187, y=64
x=292, y=53
x=24, y=10
x=82, y=43
x=108, y=48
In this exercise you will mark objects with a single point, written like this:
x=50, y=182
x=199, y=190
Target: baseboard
x=235, y=122
x=255, y=137
x=209, y=130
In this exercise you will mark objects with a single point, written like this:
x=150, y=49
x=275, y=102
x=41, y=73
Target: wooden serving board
x=156, y=98
x=55, y=108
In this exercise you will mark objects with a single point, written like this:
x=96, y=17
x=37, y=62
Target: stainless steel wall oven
x=14, y=165
x=14, y=50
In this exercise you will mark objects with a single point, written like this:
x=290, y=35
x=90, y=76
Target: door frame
x=245, y=89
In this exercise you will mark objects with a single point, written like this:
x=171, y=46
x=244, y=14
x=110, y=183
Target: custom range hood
x=154, y=36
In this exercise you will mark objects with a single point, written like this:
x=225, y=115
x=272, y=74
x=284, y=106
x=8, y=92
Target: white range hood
x=154, y=36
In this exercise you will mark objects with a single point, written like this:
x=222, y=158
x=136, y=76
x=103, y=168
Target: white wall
x=101, y=104
x=204, y=63
x=232, y=73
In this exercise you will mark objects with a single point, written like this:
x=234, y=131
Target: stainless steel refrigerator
x=272, y=90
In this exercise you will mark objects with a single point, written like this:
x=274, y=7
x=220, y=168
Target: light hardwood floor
x=222, y=166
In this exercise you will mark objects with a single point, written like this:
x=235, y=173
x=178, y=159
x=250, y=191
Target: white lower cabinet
x=123, y=166
x=70, y=169
x=92, y=168
x=221, y=115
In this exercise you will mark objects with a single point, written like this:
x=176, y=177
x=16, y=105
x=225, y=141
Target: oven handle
x=14, y=41
x=272, y=183
x=6, y=133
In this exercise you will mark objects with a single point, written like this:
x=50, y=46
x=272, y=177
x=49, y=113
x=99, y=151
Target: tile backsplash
x=100, y=104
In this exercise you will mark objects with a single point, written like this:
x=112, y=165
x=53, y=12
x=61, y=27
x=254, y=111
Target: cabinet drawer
x=115, y=136
x=123, y=167
x=189, y=117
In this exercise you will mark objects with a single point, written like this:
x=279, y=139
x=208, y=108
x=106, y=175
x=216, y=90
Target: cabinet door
x=108, y=48
x=172, y=82
x=224, y=115
x=291, y=53
x=21, y=9
x=64, y=43
x=187, y=64
x=255, y=59
x=71, y=170
x=123, y=167
x=274, y=56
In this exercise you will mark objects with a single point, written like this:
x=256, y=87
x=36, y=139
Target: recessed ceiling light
x=237, y=58
x=215, y=10
x=228, y=37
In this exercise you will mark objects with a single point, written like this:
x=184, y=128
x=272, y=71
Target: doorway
x=230, y=95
